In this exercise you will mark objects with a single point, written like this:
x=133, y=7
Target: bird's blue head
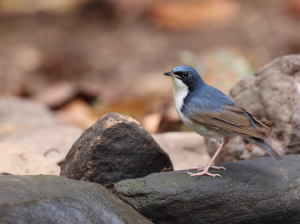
x=185, y=75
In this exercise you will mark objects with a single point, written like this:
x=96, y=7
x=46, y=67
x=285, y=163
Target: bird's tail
x=264, y=145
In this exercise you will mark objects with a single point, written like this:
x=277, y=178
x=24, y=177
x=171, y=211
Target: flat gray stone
x=251, y=191
x=54, y=199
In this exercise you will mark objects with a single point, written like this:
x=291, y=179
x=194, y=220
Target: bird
x=210, y=113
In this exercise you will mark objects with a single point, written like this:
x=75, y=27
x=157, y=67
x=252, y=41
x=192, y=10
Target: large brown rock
x=115, y=148
x=273, y=96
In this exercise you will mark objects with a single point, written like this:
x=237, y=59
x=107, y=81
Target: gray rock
x=272, y=96
x=251, y=191
x=19, y=112
x=54, y=199
x=115, y=148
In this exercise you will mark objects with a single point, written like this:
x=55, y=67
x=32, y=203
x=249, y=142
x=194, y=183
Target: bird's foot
x=205, y=172
x=199, y=168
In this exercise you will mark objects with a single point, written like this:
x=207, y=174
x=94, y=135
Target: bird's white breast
x=180, y=92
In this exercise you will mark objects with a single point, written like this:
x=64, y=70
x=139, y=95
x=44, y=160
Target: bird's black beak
x=168, y=73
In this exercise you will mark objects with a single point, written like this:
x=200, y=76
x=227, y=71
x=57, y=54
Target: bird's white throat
x=180, y=92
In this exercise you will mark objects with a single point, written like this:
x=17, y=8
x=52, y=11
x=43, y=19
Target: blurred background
x=72, y=61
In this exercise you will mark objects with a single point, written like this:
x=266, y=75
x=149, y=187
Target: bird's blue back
x=206, y=97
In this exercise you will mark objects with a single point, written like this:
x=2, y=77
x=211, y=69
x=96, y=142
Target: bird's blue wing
x=214, y=109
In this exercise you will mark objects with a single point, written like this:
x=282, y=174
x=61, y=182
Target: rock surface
x=272, y=96
x=51, y=141
x=53, y=199
x=186, y=149
x=251, y=191
x=19, y=112
x=115, y=148
x=31, y=124
x=19, y=160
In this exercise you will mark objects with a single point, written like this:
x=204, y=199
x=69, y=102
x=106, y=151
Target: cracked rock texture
x=251, y=191
x=273, y=96
x=54, y=199
x=115, y=148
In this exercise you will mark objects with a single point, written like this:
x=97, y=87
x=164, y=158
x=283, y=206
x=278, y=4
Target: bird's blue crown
x=183, y=68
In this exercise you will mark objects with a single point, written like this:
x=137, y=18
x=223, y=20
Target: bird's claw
x=203, y=173
x=218, y=167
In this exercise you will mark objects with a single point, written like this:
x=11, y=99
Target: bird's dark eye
x=186, y=74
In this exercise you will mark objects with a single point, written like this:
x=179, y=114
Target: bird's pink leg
x=205, y=168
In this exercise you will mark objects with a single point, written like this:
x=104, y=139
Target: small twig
x=50, y=150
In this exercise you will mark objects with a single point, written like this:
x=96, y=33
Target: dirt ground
x=100, y=50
